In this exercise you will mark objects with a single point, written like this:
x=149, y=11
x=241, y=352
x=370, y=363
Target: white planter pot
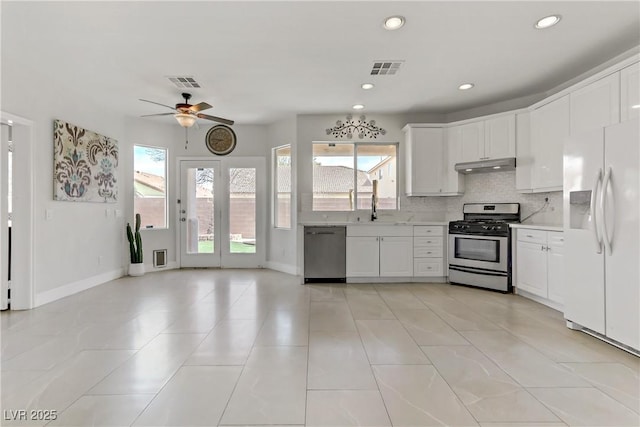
x=136, y=269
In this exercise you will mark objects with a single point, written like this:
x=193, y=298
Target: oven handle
x=474, y=271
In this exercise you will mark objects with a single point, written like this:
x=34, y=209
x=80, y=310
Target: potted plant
x=136, y=268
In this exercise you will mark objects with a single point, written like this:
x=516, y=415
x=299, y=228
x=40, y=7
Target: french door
x=221, y=213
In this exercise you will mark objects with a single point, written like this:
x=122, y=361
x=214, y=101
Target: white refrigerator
x=602, y=232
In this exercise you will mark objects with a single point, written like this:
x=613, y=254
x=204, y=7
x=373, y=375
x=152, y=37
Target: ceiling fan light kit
x=186, y=120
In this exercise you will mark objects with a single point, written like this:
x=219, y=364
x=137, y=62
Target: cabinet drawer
x=428, y=230
x=532, y=236
x=427, y=242
x=556, y=238
x=427, y=267
x=427, y=252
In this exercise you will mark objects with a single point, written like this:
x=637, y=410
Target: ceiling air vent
x=385, y=68
x=184, y=81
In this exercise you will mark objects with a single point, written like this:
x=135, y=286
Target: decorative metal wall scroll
x=359, y=127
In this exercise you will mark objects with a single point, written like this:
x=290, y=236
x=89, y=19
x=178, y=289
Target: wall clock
x=221, y=140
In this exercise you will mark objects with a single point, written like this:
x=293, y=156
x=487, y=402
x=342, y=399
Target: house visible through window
x=282, y=187
x=344, y=175
x=150, y=185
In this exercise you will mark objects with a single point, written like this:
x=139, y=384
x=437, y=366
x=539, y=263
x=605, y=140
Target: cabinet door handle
x=543, y=248
x=529, y=235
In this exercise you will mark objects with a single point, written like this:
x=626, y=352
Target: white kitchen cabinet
x=524, y=156
x=379, y=251
x=424, y=157
x=549, y=130
x=539, y=264
x=428, y=251
x=555, y=267
x=596, y=105
x=493, y=138
x=630, y=92
x=452, y=181
x=396, y=256
x=363, y=256
x=471, y=137
x=500, y=137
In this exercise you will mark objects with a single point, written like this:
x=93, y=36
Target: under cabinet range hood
x=483, y=166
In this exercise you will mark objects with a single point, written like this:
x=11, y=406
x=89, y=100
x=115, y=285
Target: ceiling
x=261, y=61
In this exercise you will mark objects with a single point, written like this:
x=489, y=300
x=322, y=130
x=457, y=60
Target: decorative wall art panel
x=85, y=165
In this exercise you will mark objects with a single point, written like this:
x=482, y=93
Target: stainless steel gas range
x=480, y=247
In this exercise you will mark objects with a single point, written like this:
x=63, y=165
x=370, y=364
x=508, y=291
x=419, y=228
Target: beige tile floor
x=254, y=347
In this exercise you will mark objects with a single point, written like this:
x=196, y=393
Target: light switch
x=48, y=214
x=118, y=213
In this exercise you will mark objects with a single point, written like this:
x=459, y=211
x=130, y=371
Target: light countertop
x=546, y=227
x=379, y=223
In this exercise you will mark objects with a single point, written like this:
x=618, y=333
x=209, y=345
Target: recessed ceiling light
x=547, y=21
x=635, y=106
x=358, y=107
x=367, y=86
x=496, y=167
x=465, y=86
x=394, y=22
x=468, y=170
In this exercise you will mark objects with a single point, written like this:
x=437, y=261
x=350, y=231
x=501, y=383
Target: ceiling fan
x=187, y=114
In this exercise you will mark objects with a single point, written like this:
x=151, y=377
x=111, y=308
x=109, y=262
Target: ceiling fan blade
x=199, y=107
x=157, y=103
x=215, y=119
x=159, y=114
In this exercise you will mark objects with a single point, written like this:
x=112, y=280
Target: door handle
x=183, y=211
x=183, y=219
x=594, y=195
x=603, y=196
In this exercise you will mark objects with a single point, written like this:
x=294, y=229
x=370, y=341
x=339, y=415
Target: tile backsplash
x=498, y=187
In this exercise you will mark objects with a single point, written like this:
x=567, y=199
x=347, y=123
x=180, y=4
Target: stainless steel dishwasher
x=325, y=254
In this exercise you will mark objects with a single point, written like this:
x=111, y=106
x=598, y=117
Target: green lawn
x=206, y=246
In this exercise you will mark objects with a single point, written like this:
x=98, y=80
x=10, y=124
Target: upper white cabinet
x=452, y=181
x=493, y=138
x=549, y=129
x=423, y=160
x=596, y=105
x=630, y=92
x=471, y=136
x=429, y=161
x=500, y=137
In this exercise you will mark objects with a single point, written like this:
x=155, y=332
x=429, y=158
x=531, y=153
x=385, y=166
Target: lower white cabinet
x=428, y=251
x=379, y=251
x=539, y=263
x=363, y=257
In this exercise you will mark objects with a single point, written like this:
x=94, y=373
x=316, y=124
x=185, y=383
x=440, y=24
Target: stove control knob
x=486, y=227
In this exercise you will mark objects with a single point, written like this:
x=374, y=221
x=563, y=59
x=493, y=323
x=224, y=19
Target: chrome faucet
x=374, y=214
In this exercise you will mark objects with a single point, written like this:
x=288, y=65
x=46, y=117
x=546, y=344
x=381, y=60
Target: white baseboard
x=282, y=267
x=75, y=287
x=172, y=265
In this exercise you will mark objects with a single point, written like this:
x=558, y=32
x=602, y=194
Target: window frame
x=166, y=185
x=356, y=144
x=274, y=187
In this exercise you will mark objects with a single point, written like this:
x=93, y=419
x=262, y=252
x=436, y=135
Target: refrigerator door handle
x=603, y=215
x=594, y=196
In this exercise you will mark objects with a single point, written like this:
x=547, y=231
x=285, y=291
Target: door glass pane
x=242, y=210
x=477, y=249
x=200, y=211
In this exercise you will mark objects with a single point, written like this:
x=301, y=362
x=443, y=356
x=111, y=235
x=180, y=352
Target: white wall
x=80, y=245
x=282, y=242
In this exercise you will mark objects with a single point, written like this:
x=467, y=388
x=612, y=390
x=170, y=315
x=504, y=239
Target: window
x=345, y=175
x=150, y=185
x=282, y=187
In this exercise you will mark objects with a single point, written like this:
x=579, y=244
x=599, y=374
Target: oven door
x=484, y=252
